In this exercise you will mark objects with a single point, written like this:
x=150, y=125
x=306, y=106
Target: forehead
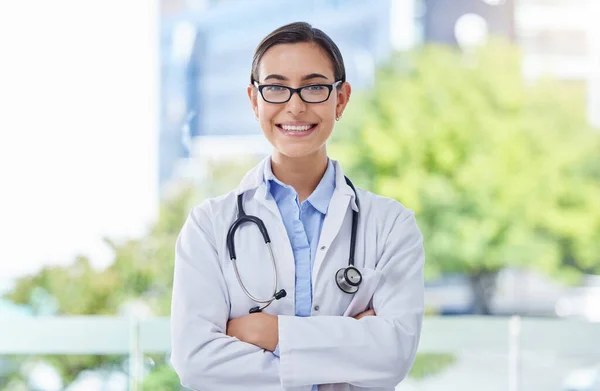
x=295, y=60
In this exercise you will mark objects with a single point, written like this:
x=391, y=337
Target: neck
x=303, y=173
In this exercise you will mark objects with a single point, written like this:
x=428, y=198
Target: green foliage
x=142, y=271
x=69, y=366
x=162, y=378
x=429, y=364
x=498, y=171
x=11, y=378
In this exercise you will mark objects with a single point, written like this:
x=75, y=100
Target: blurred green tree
x=140, y=274
x=142, y=269
x=499, y=171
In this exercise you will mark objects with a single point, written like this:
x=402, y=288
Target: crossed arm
x=209, y=351
x=262, y=329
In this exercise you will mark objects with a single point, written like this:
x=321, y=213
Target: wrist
x=269, y=333
x=264, y=331
x=275, y=332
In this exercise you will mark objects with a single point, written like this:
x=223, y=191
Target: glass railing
x=455, y=353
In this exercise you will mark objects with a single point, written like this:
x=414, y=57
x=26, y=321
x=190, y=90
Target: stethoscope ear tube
x=241, y=220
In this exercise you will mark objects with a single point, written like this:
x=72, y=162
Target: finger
x=368, y=313
x=363, y=314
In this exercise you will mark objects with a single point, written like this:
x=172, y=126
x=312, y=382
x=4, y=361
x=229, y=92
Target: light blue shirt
x=303, y=223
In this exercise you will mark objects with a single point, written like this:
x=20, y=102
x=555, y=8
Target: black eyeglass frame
x=330, y=87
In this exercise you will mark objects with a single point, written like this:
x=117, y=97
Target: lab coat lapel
x=334, y=219
x=267, y=202
x=343, y=197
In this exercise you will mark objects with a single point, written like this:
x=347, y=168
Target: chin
x=296, y=151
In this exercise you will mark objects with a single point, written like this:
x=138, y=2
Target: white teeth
x=291, y=128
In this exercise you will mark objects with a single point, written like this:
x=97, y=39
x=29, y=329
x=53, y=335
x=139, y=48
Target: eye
x=274, y=88
x=316, y=88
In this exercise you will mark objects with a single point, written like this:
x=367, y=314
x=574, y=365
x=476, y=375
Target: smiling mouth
x=296, y=128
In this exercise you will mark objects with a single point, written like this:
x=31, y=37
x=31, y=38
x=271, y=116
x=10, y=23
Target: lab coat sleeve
x=375, y=351
x=203, y=356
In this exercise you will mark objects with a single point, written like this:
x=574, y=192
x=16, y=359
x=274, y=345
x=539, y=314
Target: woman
x=312, y=327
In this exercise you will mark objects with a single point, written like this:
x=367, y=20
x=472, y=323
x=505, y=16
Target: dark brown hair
x=296, y=33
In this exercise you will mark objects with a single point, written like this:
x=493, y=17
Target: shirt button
x=323, y=247
x=316, y=308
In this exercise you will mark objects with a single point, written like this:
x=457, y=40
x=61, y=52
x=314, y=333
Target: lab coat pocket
x=362, y=298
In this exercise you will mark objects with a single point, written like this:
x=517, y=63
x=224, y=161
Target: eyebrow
x=307, y=77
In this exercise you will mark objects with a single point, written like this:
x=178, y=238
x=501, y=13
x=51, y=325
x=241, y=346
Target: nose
x=296, y=105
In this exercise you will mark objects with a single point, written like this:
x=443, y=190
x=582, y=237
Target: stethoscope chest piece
x=348, y=279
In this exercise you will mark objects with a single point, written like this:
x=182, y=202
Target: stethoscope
x=348, y=278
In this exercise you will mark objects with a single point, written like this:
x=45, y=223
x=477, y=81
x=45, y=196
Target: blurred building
x=555, y=37
x=464, y=22
x=559, y=38
x=594, y=79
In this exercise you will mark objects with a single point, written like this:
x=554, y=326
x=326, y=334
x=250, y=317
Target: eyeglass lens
x=313, y=94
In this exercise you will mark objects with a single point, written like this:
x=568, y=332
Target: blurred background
x=482, y=116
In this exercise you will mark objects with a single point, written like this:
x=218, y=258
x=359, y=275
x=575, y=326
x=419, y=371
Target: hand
x=366, y=313
x=258, y=329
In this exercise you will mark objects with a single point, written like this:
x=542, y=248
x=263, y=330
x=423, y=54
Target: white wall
x=78, y=127
x=594, y=78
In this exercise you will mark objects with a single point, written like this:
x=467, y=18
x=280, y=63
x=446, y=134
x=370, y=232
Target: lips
x=296, y=129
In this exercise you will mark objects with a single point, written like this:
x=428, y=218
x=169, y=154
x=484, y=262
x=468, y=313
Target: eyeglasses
x=313, y=93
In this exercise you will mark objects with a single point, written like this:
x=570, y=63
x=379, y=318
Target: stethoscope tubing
x=253, y=298
x=345, y=284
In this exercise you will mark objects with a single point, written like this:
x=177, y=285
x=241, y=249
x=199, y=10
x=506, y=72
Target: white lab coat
x=330, y=348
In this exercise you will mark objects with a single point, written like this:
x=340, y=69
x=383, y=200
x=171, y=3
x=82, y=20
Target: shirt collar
x=254, y=182
x=269, y=177
x=319, y=198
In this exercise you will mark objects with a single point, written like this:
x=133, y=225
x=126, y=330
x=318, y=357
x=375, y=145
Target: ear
x=253, y=95
x=343, y=96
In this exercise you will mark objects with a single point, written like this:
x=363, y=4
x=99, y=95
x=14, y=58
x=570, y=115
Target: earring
x=338, y=118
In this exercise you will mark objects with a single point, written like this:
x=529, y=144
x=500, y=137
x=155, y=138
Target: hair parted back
x=298, y=32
